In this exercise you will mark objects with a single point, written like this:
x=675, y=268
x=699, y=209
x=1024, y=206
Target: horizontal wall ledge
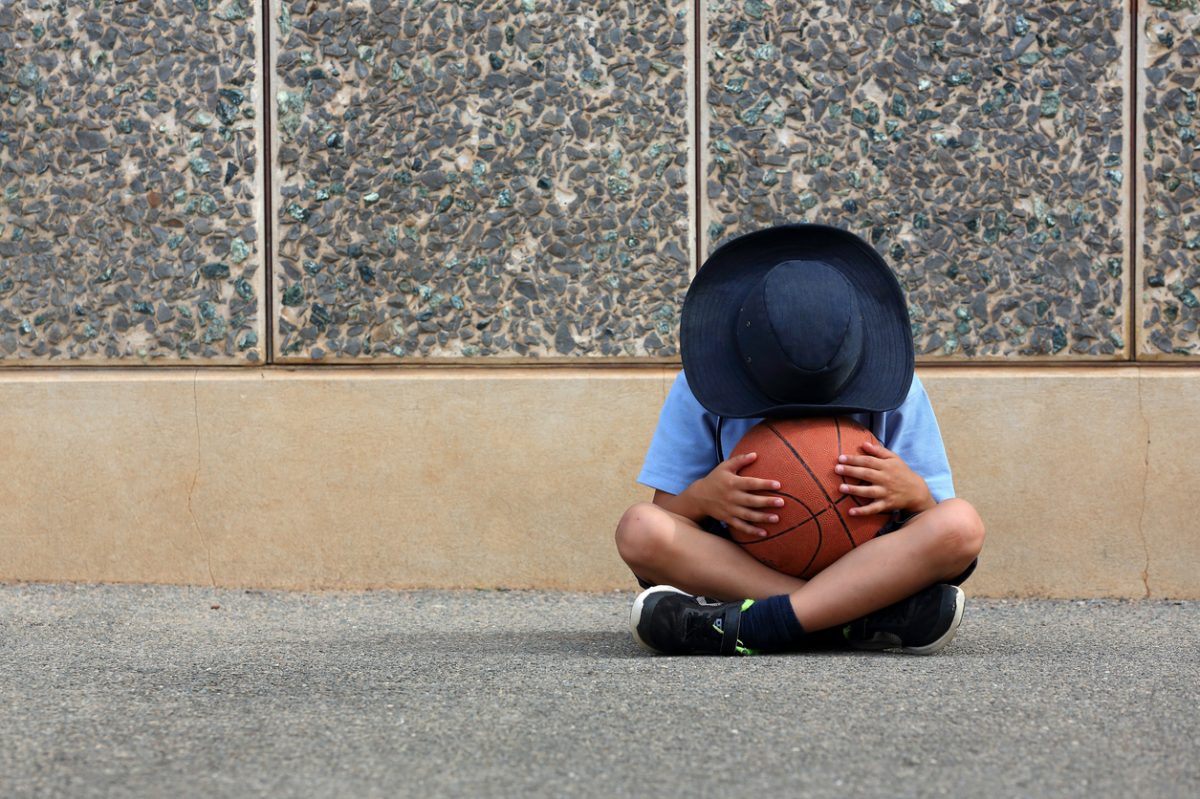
x=537, y=363
x=466, y=477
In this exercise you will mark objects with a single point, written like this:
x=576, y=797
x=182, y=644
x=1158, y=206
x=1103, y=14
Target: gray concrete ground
x=151, y=691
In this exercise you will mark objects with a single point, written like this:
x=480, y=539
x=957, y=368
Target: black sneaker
x=920, y=625
x=668, y=621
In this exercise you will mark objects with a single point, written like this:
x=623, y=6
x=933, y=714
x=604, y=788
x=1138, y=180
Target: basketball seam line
x=829, y=499
x=812, y=517
x=820, y=537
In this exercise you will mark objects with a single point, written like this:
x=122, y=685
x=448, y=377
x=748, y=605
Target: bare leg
x=666, y=549
x=936, y=545
x=932, y=547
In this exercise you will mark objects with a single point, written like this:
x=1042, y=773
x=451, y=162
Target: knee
x=643, y=533
x=960, y=531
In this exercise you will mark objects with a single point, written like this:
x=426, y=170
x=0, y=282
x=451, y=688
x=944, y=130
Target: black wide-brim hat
x=796, y=320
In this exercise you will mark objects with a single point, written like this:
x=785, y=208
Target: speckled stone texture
x=979, y=145
x=506, y=178
x=1169, y=261
x=129, y=229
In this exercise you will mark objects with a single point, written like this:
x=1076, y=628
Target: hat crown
x=800, y=332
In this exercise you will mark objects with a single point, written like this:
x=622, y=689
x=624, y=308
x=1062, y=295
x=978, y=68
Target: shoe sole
x=948, y=636
x=635, y=613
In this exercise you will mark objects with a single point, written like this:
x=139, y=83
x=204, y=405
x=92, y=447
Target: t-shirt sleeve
x=682, y=449
x=912, y=432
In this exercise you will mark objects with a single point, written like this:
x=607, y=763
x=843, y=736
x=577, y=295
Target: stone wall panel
x=1169, y=211
x=502, y=179
x=130, y=214
x=980, y=146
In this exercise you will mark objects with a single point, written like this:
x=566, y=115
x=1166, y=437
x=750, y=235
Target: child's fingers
x=756, y=484
x=740, y=461
x=745, y=528
x=757, y=517
x=865, y=490
x=758, y=501
x=865, y=461
x=879, y=450
x=859, y=472
x=878, y=506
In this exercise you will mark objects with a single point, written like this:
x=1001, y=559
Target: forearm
x=683, y=504
x=922, y=504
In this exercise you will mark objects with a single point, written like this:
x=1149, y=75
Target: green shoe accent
x=745, y=650
x=740, y=648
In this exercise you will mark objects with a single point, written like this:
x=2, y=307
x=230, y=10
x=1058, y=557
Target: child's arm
x=726, y=496
x=888, y=481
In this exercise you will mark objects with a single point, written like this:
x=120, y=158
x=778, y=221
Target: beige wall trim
x=401, y=478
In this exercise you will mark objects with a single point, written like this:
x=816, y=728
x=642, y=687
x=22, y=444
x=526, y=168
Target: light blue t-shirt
x=684, y=445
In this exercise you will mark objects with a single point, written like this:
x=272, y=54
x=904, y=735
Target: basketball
x=814, y=527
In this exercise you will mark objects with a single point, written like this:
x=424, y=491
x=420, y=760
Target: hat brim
x=707, y=336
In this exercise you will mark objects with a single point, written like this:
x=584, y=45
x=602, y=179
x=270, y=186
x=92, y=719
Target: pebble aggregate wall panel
x=1169, y=211
x=496, y=180
x=129, y=230
x=981, y=146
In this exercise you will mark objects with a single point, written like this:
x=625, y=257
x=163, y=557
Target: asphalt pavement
x=114, y=691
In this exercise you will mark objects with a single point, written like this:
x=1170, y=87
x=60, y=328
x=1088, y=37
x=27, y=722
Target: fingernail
x=838, y=469
x=775, y=485
x=779, y=503
x=841, y=458
x=774, y=519
x=843, y=488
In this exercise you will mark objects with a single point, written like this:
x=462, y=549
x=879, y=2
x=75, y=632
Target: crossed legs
x=935, y=546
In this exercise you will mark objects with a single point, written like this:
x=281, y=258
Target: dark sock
x=770, y=625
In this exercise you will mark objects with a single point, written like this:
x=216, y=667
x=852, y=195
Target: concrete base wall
x=344, y=478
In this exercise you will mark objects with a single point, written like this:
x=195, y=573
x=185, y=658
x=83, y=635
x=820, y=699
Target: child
x=791, y=321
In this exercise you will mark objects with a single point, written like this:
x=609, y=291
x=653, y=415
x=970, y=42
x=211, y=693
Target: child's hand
x=888, y=481
x=726, y=496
